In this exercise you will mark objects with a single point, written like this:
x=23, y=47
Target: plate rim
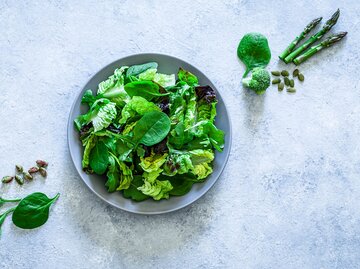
x=70, y=126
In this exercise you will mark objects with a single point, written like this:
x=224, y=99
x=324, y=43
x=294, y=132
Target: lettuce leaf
x=137, y=106
x=187, y=77
x=100, y=114
x=163, y=80
x=157, y=189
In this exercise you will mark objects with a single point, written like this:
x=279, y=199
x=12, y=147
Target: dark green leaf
x=99, y=158
x=135, y=70
x=145, y=89
x=182, y=184
x=113, y=175
x=133, y=193
x=33, y=210
x=152, y=128
x=254, y=51
x=187, y=77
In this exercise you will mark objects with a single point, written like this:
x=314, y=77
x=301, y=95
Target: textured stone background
x=289, y=197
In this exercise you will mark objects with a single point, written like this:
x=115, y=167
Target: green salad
x=151, y=134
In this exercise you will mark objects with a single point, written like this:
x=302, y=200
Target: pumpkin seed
x=296, y=72
x=281, y=86
x=284, y=73
x=276, y=81
x=301, y=77
x=275, y=73
x=291, y=90
x=7, y=179
x=292, y=83
x=287, y=81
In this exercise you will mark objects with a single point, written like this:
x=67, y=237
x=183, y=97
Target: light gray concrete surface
x=289, y=197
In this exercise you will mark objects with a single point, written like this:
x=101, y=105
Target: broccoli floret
x=259, y=80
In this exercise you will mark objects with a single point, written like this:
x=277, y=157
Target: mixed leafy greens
x=151, y=134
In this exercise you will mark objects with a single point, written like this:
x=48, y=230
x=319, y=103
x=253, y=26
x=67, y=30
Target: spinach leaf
x=182, y=184
x=187, y=77
x=144, y=88
x=152, y=128
x=99, y=158
x=133, y=193
x=254, y=51
x=135, y=70
x=33, y=210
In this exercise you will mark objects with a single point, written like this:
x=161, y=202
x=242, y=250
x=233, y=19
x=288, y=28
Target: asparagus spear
x=326, y=28
x=325, y=44
x=303, y=34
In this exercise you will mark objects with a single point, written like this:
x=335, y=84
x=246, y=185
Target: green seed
x=275, y=73
x=281, y=86
x=287, y=81
x=276, y=81
x=28, y=176
x=292, y=83
x=7, y=179
x=19, y=168
x=19, y=179
x=296, y=72
x=284, y=73
x=301, y=77
x=291, y=90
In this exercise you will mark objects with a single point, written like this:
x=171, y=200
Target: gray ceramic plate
x=168, y=65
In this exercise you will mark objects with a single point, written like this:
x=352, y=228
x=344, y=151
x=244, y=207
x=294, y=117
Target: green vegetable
x=33, y=210
x=152, y=128
x=136, y=70
x=275, y=73
x=144, y=130
x=4, y=215
x=145, y=89
x=182, y=184
x=303, y=34
x=137, y=106
x=254, y=51
x=3, y=201
x=101, y=114
x=259, y=81
x=187, y=77
x=326, y=28
x=163, y=80
x=301, y=77
x=331, y=40
x=133, y=193
x=99, y=158
x=157, y=189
